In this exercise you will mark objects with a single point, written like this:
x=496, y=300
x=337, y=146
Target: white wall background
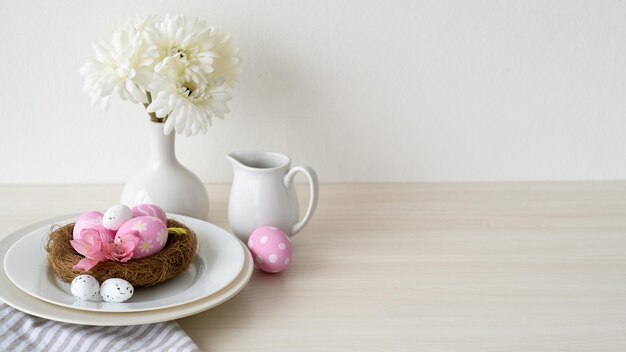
x=361, y=90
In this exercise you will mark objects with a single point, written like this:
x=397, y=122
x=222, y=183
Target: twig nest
x=174, y=259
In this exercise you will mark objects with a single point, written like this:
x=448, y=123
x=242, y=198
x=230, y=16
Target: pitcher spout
x=259, y=161
x=232, y=157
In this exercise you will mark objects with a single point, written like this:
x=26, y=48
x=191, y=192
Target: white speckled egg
x=115, y=216
x=85, y=287
x=116, y=290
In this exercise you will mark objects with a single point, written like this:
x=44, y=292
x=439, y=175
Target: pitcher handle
x=314, y=189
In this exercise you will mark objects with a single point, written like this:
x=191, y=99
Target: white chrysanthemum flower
x=140, y=24
x=206, y=52
x=179, y=68
x=226, y=65
x=124, y=65
x=187, y=106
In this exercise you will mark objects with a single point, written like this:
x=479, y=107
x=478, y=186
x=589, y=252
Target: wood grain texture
x=417, y=267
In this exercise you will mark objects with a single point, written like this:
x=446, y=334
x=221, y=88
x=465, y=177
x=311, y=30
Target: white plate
x=218, y=262
x=16, y=298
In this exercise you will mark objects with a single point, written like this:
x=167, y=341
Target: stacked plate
x=221, y=268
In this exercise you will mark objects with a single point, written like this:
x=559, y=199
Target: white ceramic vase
x=165, y=182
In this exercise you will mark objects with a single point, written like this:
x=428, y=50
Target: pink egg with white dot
x=149, y=210
x=271, y=249
x=91, y=220
x=152, y=233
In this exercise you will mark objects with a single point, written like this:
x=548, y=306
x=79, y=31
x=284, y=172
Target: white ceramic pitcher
x=262, y=193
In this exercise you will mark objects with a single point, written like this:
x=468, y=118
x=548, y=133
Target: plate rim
x=16, y=298
x=69, y=218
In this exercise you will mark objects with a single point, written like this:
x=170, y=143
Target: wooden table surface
x=416, y=267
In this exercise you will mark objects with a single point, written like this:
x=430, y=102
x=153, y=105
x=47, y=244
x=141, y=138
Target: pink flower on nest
x=122, y=249
x=95, y=247
x=92, y=245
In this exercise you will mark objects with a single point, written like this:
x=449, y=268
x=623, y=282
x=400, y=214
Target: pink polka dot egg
x=152, y=232
x=270, y=248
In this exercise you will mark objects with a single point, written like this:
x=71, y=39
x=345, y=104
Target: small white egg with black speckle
x=115, y=216
x=116, y=290
x=85, y=287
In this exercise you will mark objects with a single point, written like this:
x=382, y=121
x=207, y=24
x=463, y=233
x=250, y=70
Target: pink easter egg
x=149, y=210
x=151, y=230
x=91, y=220
x=271, y=249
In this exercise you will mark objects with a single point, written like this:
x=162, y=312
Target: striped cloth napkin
x=23, y=332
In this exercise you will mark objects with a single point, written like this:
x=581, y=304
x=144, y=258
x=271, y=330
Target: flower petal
x=85, y=264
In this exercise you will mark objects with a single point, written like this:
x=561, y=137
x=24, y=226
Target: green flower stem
x=152, y=115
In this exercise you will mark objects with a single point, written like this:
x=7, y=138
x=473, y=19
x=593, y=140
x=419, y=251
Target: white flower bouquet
x=179, y=68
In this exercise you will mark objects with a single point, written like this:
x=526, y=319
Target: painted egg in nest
x=149, y=210
x=91, y=220
x=151, y=231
